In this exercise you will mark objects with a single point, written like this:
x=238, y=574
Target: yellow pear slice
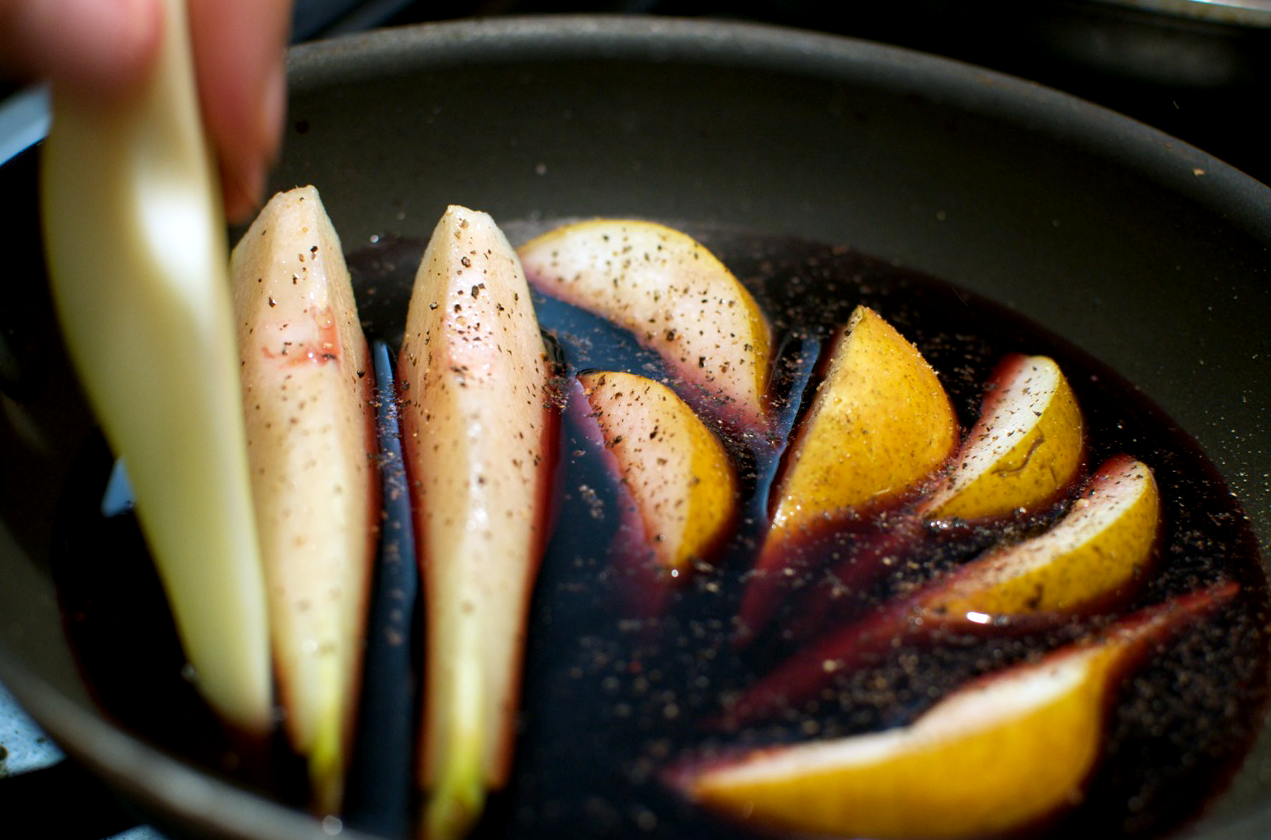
x=1003, y=751
x=879, y=424
x=307, y=395
x=479, y=439
x=1025, y=448
x=1089, y=560
x=1101, y=546
x=674, y=296
x=675, y=470
x=135, y=239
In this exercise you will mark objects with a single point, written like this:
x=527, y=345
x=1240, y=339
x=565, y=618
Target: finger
x=92, y=48
x=239, y=57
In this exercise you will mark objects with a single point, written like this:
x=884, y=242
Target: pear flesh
x=307, y=389
x=1024, y=449
x=1091, y=559
x=879, y=424
x=1095, y=553
x=667, y=461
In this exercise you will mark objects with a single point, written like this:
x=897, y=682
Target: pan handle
x=60, y=800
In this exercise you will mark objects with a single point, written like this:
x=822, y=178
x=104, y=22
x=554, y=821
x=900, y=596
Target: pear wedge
x=678, y=486
x=1090, y=560
x=307, y=389
x=1024, y=449
x=675, y=297
x=135, y=239
x=879, y=424
x=1004, y=751
x=480, y=442
x=1101, y=547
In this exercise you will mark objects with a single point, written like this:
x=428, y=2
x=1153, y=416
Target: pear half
x=479, y=438
x=307, y=388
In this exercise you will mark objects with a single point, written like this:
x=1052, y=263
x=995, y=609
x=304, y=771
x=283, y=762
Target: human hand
x=103, y=48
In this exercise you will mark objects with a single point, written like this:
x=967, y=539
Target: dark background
x=1201, y=72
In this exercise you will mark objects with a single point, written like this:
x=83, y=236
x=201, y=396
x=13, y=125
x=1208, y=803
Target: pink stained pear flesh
x=479, y=437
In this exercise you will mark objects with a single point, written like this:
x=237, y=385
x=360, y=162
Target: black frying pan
x=1149, y=254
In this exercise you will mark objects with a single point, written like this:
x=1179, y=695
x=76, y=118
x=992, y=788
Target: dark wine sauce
x=612, y=697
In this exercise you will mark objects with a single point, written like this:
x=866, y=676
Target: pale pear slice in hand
x=307, y=388
x=1089, y=560
x=676, y=298
x=879, y=424
x=479, y=439
x=1000, y=753
x=1024, y=449
x=135, y=238
x=672, y=472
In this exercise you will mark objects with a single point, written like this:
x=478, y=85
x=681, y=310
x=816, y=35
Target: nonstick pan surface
x=1148, y=254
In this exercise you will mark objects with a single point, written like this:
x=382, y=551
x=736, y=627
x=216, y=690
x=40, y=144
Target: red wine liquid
x=612, y=697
